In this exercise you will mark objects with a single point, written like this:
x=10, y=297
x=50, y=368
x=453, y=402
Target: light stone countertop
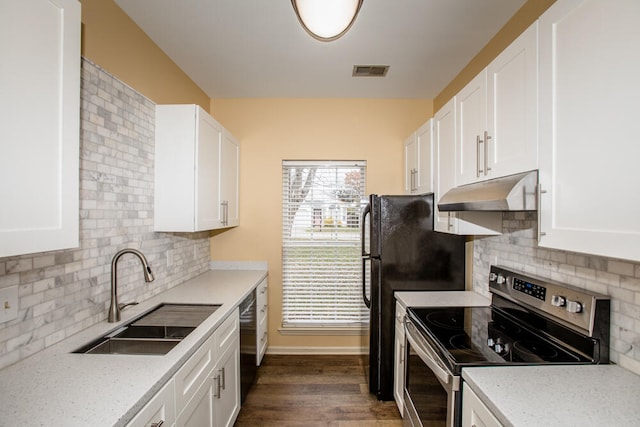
x=58, y=388
x=442, y=299
x=568, y=395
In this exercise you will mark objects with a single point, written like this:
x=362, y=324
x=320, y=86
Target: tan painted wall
x=272, y=130
x=114, y=42
x=527, y=14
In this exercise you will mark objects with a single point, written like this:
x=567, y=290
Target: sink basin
x=154, y=332
x=131, y=346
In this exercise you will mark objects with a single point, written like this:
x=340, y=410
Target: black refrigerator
x=401, y=252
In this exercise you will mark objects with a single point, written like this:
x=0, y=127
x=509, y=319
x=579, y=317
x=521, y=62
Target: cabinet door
x=208, y=156
x=159, y=410
x=226, y=399
x=471, y=116
x=463, y=223
x=194, y=372
x=474, y=412
x=444, y=142
x=199, y=411
x=410, y=164
x=424, y=154
x=40, y=122
x=589, y=68
x=512, y=107
x=229, y=170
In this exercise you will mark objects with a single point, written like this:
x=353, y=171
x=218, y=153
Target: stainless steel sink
x=154, y=332
x=131, y=346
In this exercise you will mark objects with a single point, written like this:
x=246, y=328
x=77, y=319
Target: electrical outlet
x=169, y=258
x=8, y=303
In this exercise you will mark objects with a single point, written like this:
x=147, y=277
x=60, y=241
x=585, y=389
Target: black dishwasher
x=248, y=344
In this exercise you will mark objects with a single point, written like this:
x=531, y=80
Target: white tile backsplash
x=63, y=292
x=517, y=248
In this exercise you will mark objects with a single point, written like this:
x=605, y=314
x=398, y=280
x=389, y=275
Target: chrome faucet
x=114, y=308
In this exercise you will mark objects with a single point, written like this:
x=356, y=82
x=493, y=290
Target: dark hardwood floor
x=314, y=391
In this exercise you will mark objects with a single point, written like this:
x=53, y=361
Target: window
x=322, y=270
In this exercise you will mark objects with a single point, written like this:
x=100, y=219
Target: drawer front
x=263, y=323
x=227, y=331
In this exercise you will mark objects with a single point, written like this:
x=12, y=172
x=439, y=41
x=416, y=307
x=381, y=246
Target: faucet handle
x=121, y=306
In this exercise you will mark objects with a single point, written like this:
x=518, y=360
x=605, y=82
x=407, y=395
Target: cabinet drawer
x=262, y=347
x=192, y=374
x=262, y=291
x=226, y=332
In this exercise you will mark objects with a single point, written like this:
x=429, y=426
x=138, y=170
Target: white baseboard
x=316, y=350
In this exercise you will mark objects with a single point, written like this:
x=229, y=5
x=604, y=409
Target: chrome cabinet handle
x=158, y=424
x=449, y=222
x=216, y=393
x=478, y=164
x=222, y=381
x=540, y=192
x=486, y=153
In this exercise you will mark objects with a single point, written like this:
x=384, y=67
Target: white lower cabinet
x=226, y=392
x=160, y=410
x=205, y=392
x=262, y=331
x=398, y=376
x=474, y=411
x=199, y=411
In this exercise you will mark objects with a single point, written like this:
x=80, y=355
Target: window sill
x=324, y=330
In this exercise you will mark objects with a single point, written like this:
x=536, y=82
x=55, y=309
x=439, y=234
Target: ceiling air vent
x=370, y=70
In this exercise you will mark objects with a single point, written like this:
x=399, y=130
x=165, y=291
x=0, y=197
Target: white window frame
x=326, y=218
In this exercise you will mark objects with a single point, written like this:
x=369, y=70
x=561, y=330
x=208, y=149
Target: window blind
x=322, y=272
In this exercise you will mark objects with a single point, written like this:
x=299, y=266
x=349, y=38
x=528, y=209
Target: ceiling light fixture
x=326, y=20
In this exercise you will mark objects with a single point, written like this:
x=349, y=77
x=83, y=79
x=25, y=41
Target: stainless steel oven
x=530, y=322
x=432, y=391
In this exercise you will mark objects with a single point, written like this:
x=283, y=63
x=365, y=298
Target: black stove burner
x=446, y=318
x=530, y=351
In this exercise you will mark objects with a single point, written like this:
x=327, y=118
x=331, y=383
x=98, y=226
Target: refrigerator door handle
x=366, y=300
x=366, y=256
x=366, y=211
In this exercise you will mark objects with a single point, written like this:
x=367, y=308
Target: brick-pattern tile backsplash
x=63, y=292
x=517, y=248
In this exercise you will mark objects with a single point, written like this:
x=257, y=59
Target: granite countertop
x=442, y=299
x=59, y=388
x=568, y=395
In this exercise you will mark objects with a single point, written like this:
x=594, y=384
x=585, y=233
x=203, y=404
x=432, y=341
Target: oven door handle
x=427, y=355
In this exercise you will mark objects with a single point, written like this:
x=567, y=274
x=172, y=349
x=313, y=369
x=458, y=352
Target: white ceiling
x=257, y=48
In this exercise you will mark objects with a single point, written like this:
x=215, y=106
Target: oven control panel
x=576, y=307
x=529, y=288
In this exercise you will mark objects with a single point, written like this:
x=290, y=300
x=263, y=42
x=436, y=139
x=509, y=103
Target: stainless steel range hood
x=510, y=193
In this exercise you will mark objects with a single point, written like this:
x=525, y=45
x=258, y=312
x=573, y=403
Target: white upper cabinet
x=196, y=171
x=589, y=68
x=471, y=109
x=497, y=115
x=229, y=173
x=444, y=158
x=40, y=122
x=418, y=154
x=512, y=113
